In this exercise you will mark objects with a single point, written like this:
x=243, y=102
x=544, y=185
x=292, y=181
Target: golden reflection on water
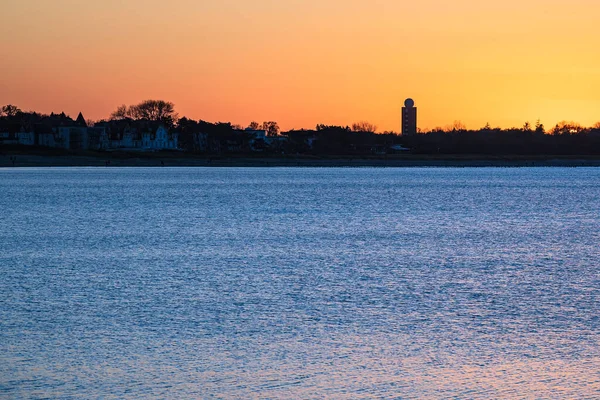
x=372, y=371
x=351, y=367
x=347, y=367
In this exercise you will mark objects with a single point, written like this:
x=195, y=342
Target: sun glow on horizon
x=307, y=62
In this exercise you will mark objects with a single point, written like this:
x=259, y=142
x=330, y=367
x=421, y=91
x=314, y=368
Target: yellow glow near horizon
x=303, y=62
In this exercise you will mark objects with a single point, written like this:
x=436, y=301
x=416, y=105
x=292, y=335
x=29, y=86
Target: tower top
x=80, y=120
x=409, y=103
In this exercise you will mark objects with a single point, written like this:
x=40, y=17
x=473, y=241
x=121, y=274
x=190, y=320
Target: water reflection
x=299, y=283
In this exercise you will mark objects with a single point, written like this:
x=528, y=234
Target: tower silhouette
x=409, y=118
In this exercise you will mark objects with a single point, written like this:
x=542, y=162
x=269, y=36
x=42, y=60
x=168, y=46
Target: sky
x=306, y=62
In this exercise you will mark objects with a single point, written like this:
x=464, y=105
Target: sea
x=299, y=283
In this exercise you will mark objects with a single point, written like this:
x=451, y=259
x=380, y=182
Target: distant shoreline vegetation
x=154, y=125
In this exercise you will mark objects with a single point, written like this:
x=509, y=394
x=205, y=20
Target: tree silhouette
x=10, y=110
x=271, y=127
x=457, y=126
x=539, y=127
x=566, y=138
x=155, y=110
x=364, y=126
x=151, y=110
x=121, y=112
x=566, y=128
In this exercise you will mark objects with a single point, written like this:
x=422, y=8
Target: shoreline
x=186, y=160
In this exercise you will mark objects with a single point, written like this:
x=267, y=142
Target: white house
x=8, y=138
x=160, y=140
x=26, y=138
x=127, y=140
x=258, y=138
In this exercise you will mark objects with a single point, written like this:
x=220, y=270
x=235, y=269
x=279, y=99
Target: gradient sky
x=303, y=62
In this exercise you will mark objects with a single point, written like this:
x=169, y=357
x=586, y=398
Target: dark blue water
x=299, y=283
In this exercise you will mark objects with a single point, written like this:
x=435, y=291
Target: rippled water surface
x=299, y=283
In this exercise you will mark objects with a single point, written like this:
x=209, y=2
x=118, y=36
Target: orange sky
x=303, y=62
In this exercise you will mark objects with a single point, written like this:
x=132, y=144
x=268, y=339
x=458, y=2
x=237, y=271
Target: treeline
x=198, y=136
x=565, y=138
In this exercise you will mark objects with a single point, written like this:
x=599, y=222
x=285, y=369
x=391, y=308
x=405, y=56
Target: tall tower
x=409, y=118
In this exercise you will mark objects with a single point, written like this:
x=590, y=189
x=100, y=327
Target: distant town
x=154, y=126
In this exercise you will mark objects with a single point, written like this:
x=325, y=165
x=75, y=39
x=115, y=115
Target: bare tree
x=9, y=110
x=271, y=127
x=567, y=128
x=254, y=126
x=151, y=110
x=121, y=112
x=456, y=126
x=364, y=126
x=155, y=110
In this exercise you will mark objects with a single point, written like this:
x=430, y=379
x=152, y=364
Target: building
x=159, y=139
x=26, y=138
x=409, y=118
x=55, y=130
x=97, y=139
x=131, y=135
x=8, y=138
x=258, y=139
x=72, y=137
x=199, y=141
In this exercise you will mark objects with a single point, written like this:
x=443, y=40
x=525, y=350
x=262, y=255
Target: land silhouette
x=134, y=131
